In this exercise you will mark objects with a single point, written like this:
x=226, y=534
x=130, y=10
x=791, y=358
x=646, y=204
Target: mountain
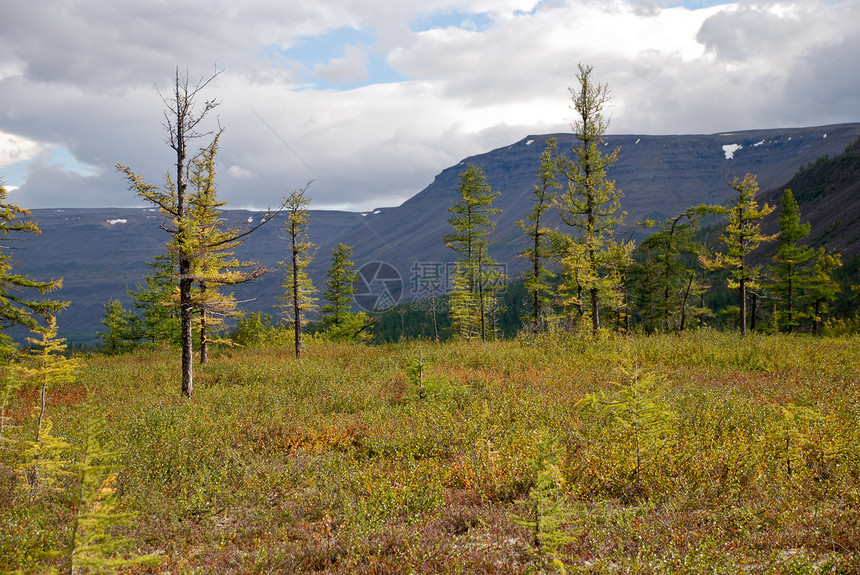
x=828, y=194
x=102, y=252
x=660, y=176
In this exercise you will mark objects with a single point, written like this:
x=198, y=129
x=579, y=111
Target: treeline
x=699, y=268
x=582, y=275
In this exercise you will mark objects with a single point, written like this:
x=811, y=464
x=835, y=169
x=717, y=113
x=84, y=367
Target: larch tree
x=16, y=307
x=538, y=252
x=792, y=262
x=299, y=300
x=213, y=266
x=184, y=124
x=822, y=288
x=741, y=237
x=476, y=273
x=590, y=204
x=45, y=367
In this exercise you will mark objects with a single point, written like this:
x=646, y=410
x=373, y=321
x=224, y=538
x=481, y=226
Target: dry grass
x=335, y=464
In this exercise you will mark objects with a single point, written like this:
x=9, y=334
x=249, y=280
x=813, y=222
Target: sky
x=370, y=99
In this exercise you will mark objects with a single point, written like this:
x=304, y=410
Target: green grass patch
x=707, y=453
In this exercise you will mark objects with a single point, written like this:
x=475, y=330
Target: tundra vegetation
x=648, y=444
x=710, y=453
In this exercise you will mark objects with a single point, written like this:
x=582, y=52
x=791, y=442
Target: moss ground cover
x=706, y=454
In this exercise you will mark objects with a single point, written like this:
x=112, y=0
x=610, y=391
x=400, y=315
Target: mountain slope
x=828, y=194
x=660, y=176
x=102, y=252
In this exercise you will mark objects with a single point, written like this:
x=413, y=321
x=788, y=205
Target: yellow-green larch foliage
x=590, y=205
x=45, y=367
x=463, y=306
x=213, y=266
x=94, y=545
x=183, y=124
x=741, y=237
x=299, y=299
x=538, y=252
x=177, y=203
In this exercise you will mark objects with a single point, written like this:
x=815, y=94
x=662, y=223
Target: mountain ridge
x=659, y=176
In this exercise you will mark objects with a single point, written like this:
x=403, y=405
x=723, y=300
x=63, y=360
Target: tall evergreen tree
x=213, y=266
x=822, y=287
x=476, y=274
x=667, y=280
x=740, y=238
x=299, y=300
x=538, y=252
x=590, y=202
x=339, y=287
x=791, y=270
x=17, y=308
x=183, y=123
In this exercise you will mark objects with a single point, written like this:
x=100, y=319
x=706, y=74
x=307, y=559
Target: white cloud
x=352, y=67
x=79, y=75
x=14, y=149
x=241, y=173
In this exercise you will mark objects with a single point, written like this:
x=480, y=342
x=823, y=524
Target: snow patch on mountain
x=730, y=150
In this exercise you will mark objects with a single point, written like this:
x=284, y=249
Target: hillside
x=102, y=252
x=659, y=175
x=828, y=193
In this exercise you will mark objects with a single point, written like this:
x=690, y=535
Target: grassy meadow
x=709, y=453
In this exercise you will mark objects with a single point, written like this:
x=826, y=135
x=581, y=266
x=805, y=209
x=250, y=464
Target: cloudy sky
x=372, y=98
